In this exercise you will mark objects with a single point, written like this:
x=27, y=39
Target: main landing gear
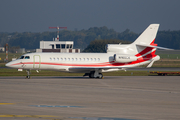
x=28, y=74
x=94, y=74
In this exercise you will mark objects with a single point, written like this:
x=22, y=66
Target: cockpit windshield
x=27, y=57
x=24, y=57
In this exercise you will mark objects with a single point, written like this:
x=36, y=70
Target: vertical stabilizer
x=148, y=36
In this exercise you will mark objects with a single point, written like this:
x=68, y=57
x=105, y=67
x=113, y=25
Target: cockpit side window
x=27, y=57
x=22, y=57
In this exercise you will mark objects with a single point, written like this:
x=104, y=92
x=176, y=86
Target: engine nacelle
x=124, y=58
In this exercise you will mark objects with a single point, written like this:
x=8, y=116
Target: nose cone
x=7, y=64
x=14, y=64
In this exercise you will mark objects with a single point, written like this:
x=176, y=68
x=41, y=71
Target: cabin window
x=57, y=59
x=98, y=59
x=91, y=59
x=61, y=59
x=27, y=57
x=76, y=59
x=79, y=59
x=65, y=59
x=87, y=59
x=54, y=59
x=50, y=59
x=72, y=59
x=94, y=59
x=68, y=59
x=22, y=57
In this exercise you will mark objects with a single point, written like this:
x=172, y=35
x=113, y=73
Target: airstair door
x=37, y=61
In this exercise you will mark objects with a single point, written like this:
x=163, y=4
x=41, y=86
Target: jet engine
x=124, y=58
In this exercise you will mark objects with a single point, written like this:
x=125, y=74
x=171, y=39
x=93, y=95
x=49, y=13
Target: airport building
x=2, y=49
x=57, y=46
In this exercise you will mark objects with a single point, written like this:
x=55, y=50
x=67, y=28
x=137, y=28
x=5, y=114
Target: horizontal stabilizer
x=154, y=46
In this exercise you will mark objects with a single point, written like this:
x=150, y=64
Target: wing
x=89, y=69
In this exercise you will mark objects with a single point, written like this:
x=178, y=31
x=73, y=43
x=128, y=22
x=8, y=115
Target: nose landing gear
x=28, y=74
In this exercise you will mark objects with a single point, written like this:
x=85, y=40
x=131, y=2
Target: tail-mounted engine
x=124, y=58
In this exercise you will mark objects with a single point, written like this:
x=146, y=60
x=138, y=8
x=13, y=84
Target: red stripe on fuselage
x=147, y=49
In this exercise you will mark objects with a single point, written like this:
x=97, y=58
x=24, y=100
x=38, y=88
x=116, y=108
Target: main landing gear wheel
x=97, y=75
x=100, y=76
x=91, y=75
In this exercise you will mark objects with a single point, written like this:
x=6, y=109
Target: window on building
x=52, y=46
x=57, y=46
x=70, y=46
x=63, y=46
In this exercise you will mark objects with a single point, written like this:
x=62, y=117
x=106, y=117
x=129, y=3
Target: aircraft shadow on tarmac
x=56, y=77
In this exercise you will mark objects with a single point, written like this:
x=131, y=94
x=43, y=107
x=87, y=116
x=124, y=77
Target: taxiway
x=72, y=98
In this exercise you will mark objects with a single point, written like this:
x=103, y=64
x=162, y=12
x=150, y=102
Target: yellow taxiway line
x=7, y=103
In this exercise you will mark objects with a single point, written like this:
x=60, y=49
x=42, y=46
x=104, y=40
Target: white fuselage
x=65, y=61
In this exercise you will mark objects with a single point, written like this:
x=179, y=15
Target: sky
x=136, y=15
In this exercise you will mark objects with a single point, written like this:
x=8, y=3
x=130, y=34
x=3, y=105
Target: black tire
x=100, y=76
x=91, y=75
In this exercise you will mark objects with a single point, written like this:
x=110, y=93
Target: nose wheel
x=28, y=74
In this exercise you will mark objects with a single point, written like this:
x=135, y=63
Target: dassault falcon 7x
x=118, y=57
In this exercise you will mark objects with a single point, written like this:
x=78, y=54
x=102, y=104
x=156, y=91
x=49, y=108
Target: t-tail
x=143, y=48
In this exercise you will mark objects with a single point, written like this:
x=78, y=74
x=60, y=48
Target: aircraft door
x=37, y=61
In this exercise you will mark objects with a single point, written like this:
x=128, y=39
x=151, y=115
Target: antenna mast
x=57, y=39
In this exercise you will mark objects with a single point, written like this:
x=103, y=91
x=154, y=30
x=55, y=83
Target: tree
x=100, y=45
